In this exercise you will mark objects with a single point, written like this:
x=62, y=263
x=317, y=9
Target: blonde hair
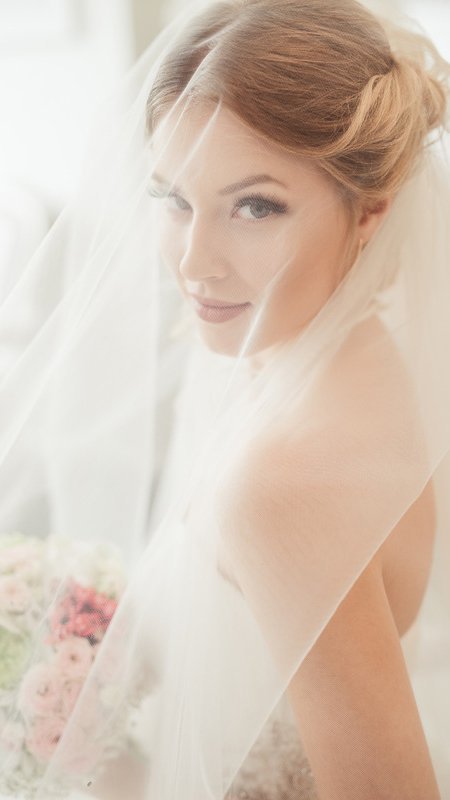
x=326, y=79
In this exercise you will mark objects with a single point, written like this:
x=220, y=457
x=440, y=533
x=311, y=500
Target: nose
x=203, y=257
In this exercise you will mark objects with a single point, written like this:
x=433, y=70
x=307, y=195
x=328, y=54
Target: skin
x=286, y=258
x=351, y=695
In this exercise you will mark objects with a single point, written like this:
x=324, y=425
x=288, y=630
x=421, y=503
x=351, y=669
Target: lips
x=217, y=310
x=212, y=303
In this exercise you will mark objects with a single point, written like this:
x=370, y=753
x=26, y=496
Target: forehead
x=209, y=139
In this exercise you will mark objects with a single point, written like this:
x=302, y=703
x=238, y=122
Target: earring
x=360, y=249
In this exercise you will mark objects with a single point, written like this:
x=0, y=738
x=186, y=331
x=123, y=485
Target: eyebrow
x=251, y=180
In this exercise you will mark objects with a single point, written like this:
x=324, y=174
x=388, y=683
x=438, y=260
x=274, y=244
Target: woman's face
x=246, y=226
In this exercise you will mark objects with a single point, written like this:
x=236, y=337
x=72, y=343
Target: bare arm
x=299, y=513
x=352, y=696
x=355, y=706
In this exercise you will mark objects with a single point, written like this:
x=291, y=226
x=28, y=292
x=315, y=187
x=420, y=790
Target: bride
x=254, y=324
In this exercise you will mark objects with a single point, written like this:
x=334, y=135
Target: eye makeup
x=266, y=203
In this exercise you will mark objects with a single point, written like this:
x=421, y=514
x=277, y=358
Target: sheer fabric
x=243, y=497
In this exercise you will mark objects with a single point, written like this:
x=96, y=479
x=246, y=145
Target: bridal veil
x=208, y=482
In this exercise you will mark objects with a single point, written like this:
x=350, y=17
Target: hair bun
x=436, y=101
x=387, y=85
x=421, y=66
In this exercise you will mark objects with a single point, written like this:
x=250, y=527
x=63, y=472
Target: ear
x=371, y=218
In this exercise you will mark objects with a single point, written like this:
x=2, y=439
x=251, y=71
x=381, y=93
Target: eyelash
x=270, y=203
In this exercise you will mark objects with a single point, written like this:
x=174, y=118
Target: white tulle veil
x=244, y=497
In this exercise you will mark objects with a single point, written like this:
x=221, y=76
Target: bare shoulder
x=361, y=408
x=339, y=474
x=317, y=489
x=367, y=374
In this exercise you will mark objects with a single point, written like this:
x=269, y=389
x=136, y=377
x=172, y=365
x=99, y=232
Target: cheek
x=316, y=246
x=291, y=265
x=250, y=255
x=314, y=263
x=256, y=265
x=295, y=259
x=294, y=255
x=263, y=252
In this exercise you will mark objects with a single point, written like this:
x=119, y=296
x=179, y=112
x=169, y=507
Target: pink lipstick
x=217, y=310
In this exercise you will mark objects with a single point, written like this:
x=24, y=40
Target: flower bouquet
x=39, y=689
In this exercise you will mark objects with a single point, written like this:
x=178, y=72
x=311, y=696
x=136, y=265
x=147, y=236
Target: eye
x=180, y=204
x=260, y=206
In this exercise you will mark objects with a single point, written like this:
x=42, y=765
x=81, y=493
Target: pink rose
x=88, y=625
x=73, y=657
x=44, y=736
x=107, y=609
x=71, y=692
x=15, y=596
x=59, y=631
x=81, y=611
x=83, y=753
x=40, y=691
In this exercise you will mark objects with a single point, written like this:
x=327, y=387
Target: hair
x=322, y=79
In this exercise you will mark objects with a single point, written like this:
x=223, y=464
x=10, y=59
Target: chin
x=220, y=345
x=228, y=343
